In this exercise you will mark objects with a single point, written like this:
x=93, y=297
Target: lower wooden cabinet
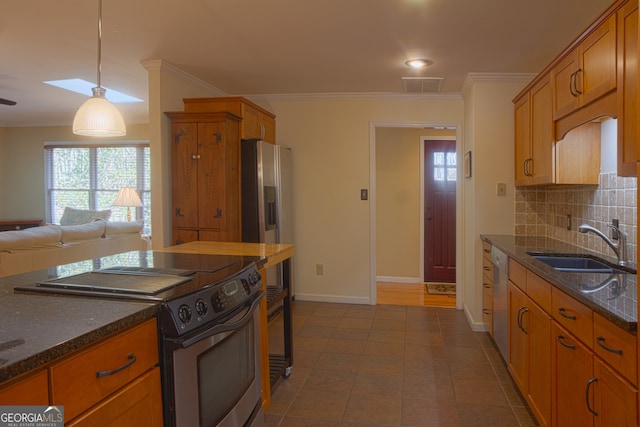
x=138, y=404
x=585, y=390
x=529, y=352
x=32, y=389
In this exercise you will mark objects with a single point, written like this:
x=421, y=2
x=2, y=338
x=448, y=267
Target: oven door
x=215, y=374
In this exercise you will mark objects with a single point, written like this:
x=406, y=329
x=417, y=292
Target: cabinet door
x=181, y=236
x=572, y=370
x=538, y=396
x=184, y=175
x=597, y=75
x=212, y=182
x=565, y=95
x=616, y=401
x=542, y=137
x=522, y=140
x=518, y=354
x=627, y=89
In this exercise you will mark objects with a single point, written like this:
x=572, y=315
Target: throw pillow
x=72, y=216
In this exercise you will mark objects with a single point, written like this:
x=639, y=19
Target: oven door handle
x=224, y=327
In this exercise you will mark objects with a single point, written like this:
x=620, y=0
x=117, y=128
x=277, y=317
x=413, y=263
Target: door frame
x=372, y=201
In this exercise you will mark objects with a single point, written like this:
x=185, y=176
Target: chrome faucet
x=619, y=248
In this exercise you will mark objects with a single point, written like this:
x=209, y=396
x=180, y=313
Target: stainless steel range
x=208, y=328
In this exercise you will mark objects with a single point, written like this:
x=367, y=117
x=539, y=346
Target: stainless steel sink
x=575, y=264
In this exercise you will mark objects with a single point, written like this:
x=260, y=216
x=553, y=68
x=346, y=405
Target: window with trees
x=89, y=176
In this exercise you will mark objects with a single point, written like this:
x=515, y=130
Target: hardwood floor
x=411, y=294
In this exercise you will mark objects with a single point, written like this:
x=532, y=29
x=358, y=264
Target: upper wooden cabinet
x=256, y=121
x=587, y=72
x=628, y=89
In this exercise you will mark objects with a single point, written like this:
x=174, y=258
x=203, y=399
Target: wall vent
x=422, y=84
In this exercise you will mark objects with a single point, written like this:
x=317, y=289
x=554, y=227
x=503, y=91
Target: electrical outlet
x=501, y=189
x=364, y=194
x=319, y=269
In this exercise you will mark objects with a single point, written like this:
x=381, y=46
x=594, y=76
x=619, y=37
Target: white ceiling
x=246, y=47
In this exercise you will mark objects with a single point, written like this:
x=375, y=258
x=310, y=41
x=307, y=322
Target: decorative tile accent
x=543, y=211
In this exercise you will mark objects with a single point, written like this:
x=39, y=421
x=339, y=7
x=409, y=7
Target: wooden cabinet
x=587, y=72
x=205, y=174
x=534, y=140
x=529, y=352
x=586, y=391
x=628, y=130
x=32, y=389
x=487, y=287
x=82, y=381
x=115, y=382
x=557, y=343
x=572, y=372
x=256, y=121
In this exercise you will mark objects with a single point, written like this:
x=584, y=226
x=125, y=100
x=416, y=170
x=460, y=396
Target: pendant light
x=97, y=116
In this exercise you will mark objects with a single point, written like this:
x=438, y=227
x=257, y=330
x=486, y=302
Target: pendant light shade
x=97, y=116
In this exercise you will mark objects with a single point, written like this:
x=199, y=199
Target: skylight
x=84, y=87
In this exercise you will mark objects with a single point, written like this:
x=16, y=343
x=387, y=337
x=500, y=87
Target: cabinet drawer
x=486, y=250
x=518, y=274
x=539, y=290
x=615, y=346
x=87, y=377
x=29, y=390
x=487, y=310
x=138, y=404
x=573, y=315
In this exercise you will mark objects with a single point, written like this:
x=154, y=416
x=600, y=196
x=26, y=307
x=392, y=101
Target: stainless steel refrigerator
x=267, y=210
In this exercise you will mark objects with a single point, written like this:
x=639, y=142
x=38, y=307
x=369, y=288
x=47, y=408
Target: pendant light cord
x=99, y=41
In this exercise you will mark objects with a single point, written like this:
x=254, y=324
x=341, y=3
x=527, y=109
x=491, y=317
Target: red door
x=440, y=211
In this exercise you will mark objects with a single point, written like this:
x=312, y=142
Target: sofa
x=51, y=245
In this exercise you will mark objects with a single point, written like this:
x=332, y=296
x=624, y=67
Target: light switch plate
x=501, y=189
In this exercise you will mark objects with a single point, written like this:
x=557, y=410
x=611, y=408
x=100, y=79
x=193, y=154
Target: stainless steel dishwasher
x=500, y=263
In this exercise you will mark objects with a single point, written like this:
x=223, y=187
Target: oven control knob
x=184, y=313
x=254, y=278
x=201, y=307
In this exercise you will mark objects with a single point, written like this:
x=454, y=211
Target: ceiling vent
x=422, y=84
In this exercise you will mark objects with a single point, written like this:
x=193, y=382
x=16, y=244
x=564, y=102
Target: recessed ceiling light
x=418, y=63
x=84, y=87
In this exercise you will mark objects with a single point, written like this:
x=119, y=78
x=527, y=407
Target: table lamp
x=129, y=198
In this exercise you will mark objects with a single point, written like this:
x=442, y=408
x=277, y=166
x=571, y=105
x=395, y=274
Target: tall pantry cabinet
x=205, y=175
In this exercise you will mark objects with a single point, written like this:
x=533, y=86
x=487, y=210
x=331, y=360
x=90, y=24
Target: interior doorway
x=382, y=226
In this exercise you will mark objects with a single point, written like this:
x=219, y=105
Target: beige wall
x=399, y=159
x=22, y=173
x=488, y=134
x=331, y=139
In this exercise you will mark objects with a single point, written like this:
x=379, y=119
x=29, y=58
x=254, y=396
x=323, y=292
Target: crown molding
x=168, y=68
x=473, y=78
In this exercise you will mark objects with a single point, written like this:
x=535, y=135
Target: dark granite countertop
x=37, y=329
x=615, y=300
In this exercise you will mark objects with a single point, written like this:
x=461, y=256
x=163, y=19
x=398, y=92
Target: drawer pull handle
x=485, y=268
x=600, y=341
x=564, y=344
x=564, y=314
x=487, y=251
x=486, y=285
x=589, y=383
x=486, y=311
x=132, y=359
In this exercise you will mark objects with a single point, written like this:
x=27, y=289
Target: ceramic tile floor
x=359, y=365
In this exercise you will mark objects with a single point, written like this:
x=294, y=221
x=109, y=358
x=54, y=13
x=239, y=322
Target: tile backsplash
x=545, y=211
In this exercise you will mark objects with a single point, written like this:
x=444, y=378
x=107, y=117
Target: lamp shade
x=98, y=117
x=127, y=196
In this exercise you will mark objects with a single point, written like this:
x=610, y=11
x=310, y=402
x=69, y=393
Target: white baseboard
x=333, y=298
x=395, y=279
x=475, y=326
